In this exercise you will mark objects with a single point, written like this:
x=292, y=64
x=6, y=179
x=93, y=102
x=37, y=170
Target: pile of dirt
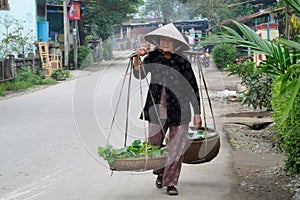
x=259, y=164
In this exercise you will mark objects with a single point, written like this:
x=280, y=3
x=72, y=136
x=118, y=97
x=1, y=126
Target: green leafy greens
x=196, y=135
x=137, y=149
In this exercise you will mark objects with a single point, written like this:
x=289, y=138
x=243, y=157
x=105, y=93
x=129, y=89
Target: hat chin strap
x=177, y=49
x=163, y=52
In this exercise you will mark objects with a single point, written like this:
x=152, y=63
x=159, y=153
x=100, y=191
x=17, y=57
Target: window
x=4, y=5
x=41, y=9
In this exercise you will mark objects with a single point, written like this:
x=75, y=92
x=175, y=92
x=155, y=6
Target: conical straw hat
x=170, y=31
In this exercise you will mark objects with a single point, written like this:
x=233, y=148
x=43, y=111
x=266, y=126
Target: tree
x=214, y=10
x=22, y=40
x=168, y=10
x=100, y=16
x=220, y=10
x=17, y=39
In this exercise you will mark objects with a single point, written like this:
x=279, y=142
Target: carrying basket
x=202, y=150
x=138, y=164
x=133, y=164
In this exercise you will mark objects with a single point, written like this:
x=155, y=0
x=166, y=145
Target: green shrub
x=59, y=74
x=288, y=131
x=24, y=79
x=84, y=57
x=67, y=74
x=258, y=84
x=107, y=49
x=26, y=75
x=4, y=86
x=224, y=54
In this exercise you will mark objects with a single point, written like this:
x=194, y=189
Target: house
x=133, y=31
x=31, y=13
x=29, y=18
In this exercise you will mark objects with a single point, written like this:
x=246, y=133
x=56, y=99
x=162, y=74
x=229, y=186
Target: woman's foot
x=171, y=190
x=159, y=181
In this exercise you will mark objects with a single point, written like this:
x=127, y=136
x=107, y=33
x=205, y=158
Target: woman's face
x=166, y=44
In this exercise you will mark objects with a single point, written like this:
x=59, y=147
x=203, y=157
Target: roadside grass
x=24, y=79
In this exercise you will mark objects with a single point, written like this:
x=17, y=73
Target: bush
x=107, y=49
x=4, y=86
x=24, y=79
x=59, y=74
x=288, y=131
x=28, y=76
x=84, y=57
x=224, y=54
x=258, y=84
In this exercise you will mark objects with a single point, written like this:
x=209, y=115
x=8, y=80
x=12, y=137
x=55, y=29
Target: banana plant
x=294, y=4
x=283, y=58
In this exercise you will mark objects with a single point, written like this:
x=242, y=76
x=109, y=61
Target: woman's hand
x=141, y=52
x=197, y=121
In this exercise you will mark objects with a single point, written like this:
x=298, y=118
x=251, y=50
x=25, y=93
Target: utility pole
x=66, y=32
x=75, y=33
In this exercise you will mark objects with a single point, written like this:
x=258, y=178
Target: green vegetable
x=196, y=135
x=136, y=150
x=200, y=132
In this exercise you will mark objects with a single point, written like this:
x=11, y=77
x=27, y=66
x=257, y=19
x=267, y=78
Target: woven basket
x=202, y=150
x=138, y=164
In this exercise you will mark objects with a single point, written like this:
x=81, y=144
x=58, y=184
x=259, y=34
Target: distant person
x=196, y=41
x=135, y=45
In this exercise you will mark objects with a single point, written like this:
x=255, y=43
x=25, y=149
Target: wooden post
x=66, y=33
x=287, y=21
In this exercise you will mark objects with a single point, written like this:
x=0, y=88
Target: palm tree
x=283, y=62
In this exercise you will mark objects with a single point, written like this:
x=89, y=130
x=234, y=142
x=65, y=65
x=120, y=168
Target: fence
x=10, y=64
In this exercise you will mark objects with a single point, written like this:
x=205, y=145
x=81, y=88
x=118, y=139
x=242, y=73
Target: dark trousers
x=177, y=137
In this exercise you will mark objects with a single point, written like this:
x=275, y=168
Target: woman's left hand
x=197, y=121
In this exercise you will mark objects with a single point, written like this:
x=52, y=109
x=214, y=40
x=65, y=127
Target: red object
x=74, y=11
x=265, y=26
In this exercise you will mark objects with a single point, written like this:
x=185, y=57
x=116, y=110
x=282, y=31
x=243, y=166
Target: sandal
x=171, y=190
x=158, y=182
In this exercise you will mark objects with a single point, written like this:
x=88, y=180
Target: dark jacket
x=177, y=75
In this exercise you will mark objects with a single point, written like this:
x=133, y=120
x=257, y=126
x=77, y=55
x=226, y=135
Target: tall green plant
x=258, y=84
x=295, y=4
x=288, y=136
x=282, y=62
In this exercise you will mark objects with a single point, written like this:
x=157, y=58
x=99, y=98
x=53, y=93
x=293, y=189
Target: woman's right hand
x=140, y=52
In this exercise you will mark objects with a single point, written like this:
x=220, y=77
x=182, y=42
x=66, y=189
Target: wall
x=23, y=10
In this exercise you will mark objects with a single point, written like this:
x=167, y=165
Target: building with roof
x=133, y=31
x=30, y=13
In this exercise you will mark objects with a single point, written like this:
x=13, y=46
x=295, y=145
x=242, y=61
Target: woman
x=173, y=89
